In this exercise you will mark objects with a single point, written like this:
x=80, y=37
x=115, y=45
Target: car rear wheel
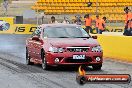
x=97, y=67
x=44, y=62
x=28, y=62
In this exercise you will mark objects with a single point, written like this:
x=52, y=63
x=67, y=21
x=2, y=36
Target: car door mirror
x=94, y=37
x=36, y=38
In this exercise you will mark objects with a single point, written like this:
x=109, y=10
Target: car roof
x=58, y=25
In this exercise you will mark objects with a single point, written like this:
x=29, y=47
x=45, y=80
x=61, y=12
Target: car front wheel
x=44, y=62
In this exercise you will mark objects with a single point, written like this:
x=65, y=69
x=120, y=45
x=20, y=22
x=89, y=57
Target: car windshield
x=65, y=32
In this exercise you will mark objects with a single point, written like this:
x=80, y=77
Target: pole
x=37, y=17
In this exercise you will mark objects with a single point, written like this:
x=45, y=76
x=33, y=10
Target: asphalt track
x=15, y=74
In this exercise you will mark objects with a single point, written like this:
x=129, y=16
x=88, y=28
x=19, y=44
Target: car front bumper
x=66, y=58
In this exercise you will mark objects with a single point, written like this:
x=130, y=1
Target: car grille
x=71, y=60
x=78, y=49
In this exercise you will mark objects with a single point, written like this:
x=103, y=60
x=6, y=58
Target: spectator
x=128, y=22
x=78, y=20
x=66, y=20
x=5, y=5
x=88, y=23
x=102, y=25
x=97, y=23
x=53, y=21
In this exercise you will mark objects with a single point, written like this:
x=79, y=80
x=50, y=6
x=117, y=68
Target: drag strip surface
x=14, y=73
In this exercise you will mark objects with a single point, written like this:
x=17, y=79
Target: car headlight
x=56, y=50
x=97, y=49
x=60, y=50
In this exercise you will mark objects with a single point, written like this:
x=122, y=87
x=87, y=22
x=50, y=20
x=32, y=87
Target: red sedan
x=63, y=44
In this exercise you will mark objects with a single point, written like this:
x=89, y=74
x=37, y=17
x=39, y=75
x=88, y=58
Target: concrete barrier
x=116, y=47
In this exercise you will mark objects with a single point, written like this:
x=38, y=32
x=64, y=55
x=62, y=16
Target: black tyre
x=44, y=62
x=97, y=67
x=28, y=62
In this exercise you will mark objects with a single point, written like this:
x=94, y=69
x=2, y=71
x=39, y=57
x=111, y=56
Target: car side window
x=37, y=32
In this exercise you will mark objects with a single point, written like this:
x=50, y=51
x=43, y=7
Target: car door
x=30, y=45
x=37, y=44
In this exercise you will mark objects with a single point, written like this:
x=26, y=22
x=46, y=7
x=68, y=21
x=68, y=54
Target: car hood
x=65, y=42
